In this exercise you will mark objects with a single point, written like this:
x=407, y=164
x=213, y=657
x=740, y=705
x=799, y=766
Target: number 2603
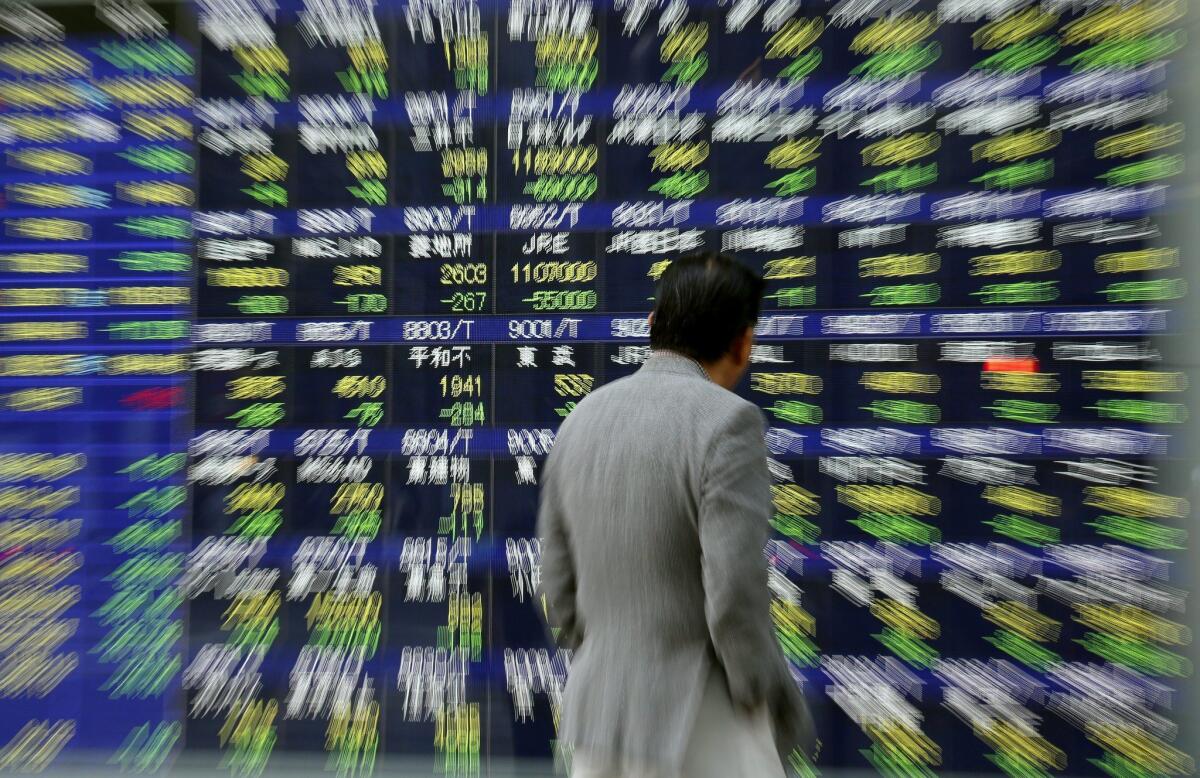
x=465, y=273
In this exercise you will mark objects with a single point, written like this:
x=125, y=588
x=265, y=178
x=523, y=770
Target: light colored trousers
x=725, y=743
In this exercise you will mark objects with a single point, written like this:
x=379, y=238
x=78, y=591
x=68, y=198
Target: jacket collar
x=675, y=363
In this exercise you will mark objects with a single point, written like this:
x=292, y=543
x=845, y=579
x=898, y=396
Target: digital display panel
x=293, y=296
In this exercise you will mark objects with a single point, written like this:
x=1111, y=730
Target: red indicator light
x=155, y=398
x=1009, y=365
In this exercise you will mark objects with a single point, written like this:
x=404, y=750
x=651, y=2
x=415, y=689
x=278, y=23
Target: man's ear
x=743, y=344
x=650, y=319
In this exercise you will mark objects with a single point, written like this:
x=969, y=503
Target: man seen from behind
x=653, y=517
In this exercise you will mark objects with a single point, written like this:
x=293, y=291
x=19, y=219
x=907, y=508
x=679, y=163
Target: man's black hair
x=704, y=302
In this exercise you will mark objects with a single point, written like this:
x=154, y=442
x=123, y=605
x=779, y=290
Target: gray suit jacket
x=654, y=513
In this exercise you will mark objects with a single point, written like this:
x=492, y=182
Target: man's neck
x=722, y=372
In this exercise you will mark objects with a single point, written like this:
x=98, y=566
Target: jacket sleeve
x=734, y=516
x=557, y=585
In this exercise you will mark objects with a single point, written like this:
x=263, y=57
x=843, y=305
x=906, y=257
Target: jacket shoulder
x=706, y=406
x=722, y=408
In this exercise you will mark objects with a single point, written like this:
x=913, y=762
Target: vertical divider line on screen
x=491, y=578
x=494, y=74
x=389, y=362
x=385, y=530
x=191, y=35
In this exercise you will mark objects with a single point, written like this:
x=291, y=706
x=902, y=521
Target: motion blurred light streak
x=161, y=56
x=1139, y=503
x=1021, y=619
x=905, y=411
x=1122, y=22
x=889, y=64
x=904, y=148
x=1141, y=749
x=794, y=37
x=898, y=528
x=1152, y=169
x=1151, y=137
x=907, y=646
x=1018, y=174
x=1020, y=56
x=796, y=412
x=1027, y=411
x=901, y=382
x=1141, y=533
x=1013, y=28
x=894, y=33
x=1136, y=654
x=161, y=159
x=1132, y=622
x=1016, y=263
x=1141, y=411
x=1018, y=292
x=43, y=59
x=1127, y=52
x=904, y=178
x=1024, y=529
x=898, y=265
x=1016, y=145
x=1150, y=381
x=906, y=750
x=51, y=161
x=789, y=267
x=1137, y=261
x=1146, y=291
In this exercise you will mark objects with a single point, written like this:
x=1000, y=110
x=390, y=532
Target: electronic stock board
x=293, y=296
